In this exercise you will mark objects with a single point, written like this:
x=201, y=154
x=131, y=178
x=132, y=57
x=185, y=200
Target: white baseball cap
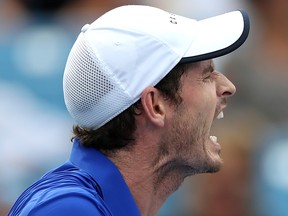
x=132, y=47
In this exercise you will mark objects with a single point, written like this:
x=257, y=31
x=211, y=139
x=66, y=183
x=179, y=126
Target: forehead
x=200, y=67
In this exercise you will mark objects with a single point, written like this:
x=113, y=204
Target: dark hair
x=119, y=132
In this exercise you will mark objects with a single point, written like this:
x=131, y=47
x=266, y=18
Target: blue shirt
x=87, y=184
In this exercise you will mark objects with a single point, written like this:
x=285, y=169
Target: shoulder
x=67, y=203
x=72, y=204
x=62, y=193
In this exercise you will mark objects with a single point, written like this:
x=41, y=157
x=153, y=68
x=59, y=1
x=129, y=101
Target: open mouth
x=212, y=137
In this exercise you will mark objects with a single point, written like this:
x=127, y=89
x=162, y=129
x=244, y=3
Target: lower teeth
x=213, y=138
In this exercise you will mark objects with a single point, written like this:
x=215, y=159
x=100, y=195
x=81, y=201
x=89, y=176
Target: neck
x=149, y=183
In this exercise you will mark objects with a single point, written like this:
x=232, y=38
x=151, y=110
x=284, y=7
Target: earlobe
x=154, y=106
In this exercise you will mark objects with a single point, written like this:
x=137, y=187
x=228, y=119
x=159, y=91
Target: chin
x=207, y=165
x=211, y=164
x=213, y=161
x=214, y=169
x=214, y=165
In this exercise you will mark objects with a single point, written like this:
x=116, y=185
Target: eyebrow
x=209, y=68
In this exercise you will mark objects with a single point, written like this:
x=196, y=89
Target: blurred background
x=35, y=129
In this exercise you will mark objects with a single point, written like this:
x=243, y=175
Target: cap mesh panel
x=92, y=97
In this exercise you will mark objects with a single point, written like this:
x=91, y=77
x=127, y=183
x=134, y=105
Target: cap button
x=85, y=27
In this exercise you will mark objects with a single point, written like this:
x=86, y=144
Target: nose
x=225, y=88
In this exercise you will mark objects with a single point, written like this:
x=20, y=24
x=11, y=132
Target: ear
x=153, y=105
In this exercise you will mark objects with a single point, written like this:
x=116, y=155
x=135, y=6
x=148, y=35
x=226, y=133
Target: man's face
x=188, y=141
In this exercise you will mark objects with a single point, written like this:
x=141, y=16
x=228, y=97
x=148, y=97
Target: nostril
x=230, y=90
x=227, y=93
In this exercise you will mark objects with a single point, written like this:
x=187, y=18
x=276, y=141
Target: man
x=141, y=86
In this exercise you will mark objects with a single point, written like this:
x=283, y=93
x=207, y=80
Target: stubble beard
x=185, y=146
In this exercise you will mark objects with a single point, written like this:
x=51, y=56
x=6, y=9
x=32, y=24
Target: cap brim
x=218, y=36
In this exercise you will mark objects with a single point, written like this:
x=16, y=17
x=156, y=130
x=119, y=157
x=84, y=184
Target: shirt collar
x=115, y=191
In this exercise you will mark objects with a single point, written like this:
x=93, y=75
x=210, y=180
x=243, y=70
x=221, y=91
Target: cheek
x=201, y=103
x=194, y=124
x=188, y=130
x=208, y=100
x=199, y=92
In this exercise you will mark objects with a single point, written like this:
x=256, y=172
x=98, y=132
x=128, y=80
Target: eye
x=211, y=69
x=208, y=74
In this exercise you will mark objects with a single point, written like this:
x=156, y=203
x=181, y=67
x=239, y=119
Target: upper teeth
x=220, y=115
